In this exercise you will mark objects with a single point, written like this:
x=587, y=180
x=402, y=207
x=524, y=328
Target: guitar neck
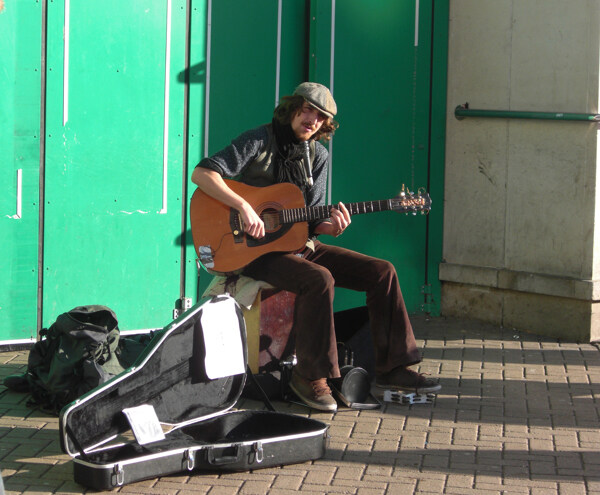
x=311, y=213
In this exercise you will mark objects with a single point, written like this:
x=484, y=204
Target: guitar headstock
x=410, y=202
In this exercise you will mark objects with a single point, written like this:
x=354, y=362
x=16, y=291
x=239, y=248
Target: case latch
x=120, y=474
x=259, y=452
x=189, y=457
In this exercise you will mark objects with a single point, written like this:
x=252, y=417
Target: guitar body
x=219, y=238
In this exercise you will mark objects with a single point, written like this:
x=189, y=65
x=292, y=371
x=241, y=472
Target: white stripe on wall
x=278, y=61
x=207, y=85
x=19, y=207
x=331, y=88
x=66, y=29
x=166, y=110
x=416, y=22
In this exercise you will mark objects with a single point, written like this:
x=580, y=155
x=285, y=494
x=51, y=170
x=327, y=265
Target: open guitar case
x=171, y=411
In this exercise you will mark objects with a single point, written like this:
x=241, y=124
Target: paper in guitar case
x=170, y=412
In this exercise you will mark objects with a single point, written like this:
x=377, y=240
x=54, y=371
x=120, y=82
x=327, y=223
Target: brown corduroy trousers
x=313, y=278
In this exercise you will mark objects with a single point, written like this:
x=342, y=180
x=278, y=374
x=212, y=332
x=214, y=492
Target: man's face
x=307, y=121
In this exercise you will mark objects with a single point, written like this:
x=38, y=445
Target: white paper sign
x=144, y=424
x=222, y=339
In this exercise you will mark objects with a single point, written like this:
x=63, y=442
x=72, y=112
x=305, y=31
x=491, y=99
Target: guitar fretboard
x=310, y=213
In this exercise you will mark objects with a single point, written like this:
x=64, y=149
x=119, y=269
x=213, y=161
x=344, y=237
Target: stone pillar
x=521, y=195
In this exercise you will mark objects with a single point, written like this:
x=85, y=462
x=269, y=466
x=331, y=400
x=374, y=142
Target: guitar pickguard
x=273, y=229
x=269, y=236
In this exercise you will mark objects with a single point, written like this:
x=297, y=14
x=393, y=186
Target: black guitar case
x=171, y=411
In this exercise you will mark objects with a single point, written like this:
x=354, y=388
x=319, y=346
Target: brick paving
x=517, y=414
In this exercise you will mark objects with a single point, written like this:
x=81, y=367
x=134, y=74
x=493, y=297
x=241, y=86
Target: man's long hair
x=289, y=106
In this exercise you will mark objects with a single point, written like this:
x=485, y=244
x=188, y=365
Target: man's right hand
x=212, y=184
x=253, y=225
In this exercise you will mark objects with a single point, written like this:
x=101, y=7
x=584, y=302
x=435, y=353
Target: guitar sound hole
x=270, y=217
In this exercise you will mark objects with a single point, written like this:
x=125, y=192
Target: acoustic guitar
x=222, y=245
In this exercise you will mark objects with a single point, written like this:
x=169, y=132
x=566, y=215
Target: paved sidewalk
x=517, y=414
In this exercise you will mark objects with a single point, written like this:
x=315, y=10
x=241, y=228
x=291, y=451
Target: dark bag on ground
x=80, y=351
x=355, y=349
x=355, y=343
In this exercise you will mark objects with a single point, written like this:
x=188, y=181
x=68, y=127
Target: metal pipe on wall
x=462, y=111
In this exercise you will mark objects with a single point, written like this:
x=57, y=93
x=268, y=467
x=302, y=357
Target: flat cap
x=318, y=96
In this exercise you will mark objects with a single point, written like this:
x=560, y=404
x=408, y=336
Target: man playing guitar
x=289, y=150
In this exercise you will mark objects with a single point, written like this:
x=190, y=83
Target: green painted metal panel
x=379, y=61
x=294, y=46
x=243, y=63
x=20, y=58
x=320, y=39
x=114, y=158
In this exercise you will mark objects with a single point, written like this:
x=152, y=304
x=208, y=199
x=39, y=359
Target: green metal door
x=114, y=151
x=377, y=58
x=20, y=33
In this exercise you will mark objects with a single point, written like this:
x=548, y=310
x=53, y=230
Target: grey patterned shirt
x=235, y=161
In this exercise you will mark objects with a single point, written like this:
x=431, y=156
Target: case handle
x=223, y=459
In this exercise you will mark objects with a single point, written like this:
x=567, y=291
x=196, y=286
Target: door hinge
x=181, y=305
x=428, y=301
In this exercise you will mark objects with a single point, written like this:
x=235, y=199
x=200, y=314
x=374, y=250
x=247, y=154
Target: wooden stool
x=268, y=328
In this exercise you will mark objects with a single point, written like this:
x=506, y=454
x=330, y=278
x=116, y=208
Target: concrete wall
x=520, y=229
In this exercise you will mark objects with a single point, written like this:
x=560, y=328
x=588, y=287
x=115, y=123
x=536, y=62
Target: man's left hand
x=340, y=219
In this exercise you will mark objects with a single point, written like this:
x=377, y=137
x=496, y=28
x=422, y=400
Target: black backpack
x=80, y=351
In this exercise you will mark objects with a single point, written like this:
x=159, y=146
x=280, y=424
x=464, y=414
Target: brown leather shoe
x=402, y=378
x=314, y=393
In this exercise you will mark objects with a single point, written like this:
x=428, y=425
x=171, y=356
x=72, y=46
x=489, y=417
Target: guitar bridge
x=236, y=226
